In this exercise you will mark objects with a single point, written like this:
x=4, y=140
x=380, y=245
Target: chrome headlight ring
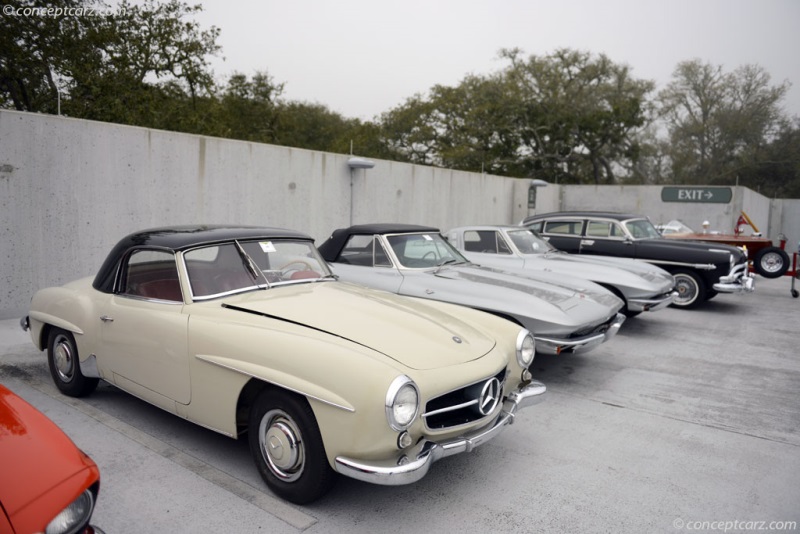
x=402, y=403
x=75, y=515
x=526, y=348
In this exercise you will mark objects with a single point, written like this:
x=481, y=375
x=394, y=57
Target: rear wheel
x=690, y=287
x=287, y=447
x=65, y=368
x=771, y=262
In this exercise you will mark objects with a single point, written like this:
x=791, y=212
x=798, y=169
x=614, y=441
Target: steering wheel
x=432, y=254
x=285, y=270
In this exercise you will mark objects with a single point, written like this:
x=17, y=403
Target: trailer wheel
x=771, y=262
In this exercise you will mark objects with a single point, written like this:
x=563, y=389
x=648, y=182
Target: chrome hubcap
x=63, y=358
x=771, y=262
x=687, y=291
x=281, y=445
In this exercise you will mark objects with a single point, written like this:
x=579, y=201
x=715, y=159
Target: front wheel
x=690, y=287
x=771, y=262
x=287, y=447
x=65, y=367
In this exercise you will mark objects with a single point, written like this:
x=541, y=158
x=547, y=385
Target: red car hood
x=36, y=457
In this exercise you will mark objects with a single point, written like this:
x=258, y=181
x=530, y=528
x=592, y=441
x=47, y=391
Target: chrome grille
x=466, y=404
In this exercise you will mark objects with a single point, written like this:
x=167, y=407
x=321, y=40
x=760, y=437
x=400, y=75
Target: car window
x=365, y=250
x=608, y=229
x=535, y=226
x=423, y=250
x=487, y=241
x=224, y=268
x=563, y=227
x=151, y=274
x=642, y=229
x=527, y=242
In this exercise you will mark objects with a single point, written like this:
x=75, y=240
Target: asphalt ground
x=686, y=421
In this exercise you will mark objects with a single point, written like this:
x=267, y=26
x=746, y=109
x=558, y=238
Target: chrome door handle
x=106, y=319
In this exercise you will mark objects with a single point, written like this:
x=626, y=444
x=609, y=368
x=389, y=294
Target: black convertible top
x=176, y=238
x=332, y=246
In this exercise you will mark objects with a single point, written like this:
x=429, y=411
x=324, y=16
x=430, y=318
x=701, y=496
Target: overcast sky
x=361, y=58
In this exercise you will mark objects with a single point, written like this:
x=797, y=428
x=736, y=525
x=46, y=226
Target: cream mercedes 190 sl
x=245, y=331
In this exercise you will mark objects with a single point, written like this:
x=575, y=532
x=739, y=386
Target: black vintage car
x=701, y=270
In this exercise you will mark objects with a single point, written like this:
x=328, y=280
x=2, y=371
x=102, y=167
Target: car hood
x=663, y=248
x=415, y=333
x=35, y=455
x=609, y=270
x=559, y=290
x=546, y=303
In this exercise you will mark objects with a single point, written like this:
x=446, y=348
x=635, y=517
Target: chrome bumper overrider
x=738, y=280
x=414, y=464
x=654, y=304
x=558, y=345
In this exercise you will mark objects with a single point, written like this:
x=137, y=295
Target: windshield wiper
x=250, y=265
x=451, y=261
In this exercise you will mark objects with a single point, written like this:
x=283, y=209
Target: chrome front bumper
x=654, y=304
x=413, y=464
x=739, y=280
x=557, y=345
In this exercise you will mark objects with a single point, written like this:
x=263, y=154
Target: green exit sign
x=710, y=195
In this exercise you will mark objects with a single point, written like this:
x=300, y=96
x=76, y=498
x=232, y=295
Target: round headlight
x=526, y=348
x=402, y=403
x=76, y=515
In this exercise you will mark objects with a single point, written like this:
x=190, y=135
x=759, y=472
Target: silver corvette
x=643, y=287
x=564, y=313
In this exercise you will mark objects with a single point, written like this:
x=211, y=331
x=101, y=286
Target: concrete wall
x=69, y=189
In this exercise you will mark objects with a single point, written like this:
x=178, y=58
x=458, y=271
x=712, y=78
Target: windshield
x=421, y=251
x=675, y=227
x=527, y=242
x=236, y=266
x=642, y=229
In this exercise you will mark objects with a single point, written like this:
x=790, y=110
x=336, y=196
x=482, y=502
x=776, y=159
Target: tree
x=248, y=108
x=118, y=66
x=717, y=121
x=579, y=116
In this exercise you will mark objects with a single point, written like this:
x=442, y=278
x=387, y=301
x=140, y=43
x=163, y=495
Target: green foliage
x=566, y=117
x=718, y=122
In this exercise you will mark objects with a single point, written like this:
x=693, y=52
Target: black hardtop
x=332, y=246
x=177, y=238
x=617, y=216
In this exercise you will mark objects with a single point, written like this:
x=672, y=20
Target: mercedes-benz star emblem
x=490, y=396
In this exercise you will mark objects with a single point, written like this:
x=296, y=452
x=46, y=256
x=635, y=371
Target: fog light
x=526, y=376
x=403, y=460
x=403, y=440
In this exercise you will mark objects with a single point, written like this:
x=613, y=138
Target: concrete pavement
x=687, y=420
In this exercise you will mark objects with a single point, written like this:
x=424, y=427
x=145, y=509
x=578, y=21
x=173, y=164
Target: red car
x=47, y=484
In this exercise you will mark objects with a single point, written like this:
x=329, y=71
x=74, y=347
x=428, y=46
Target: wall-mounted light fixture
x=356, y=163
x=532, y=187
x=360, y=163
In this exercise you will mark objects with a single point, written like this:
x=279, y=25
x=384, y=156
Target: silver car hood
x=429, y=337
x=603, y=269
x=554, y=302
